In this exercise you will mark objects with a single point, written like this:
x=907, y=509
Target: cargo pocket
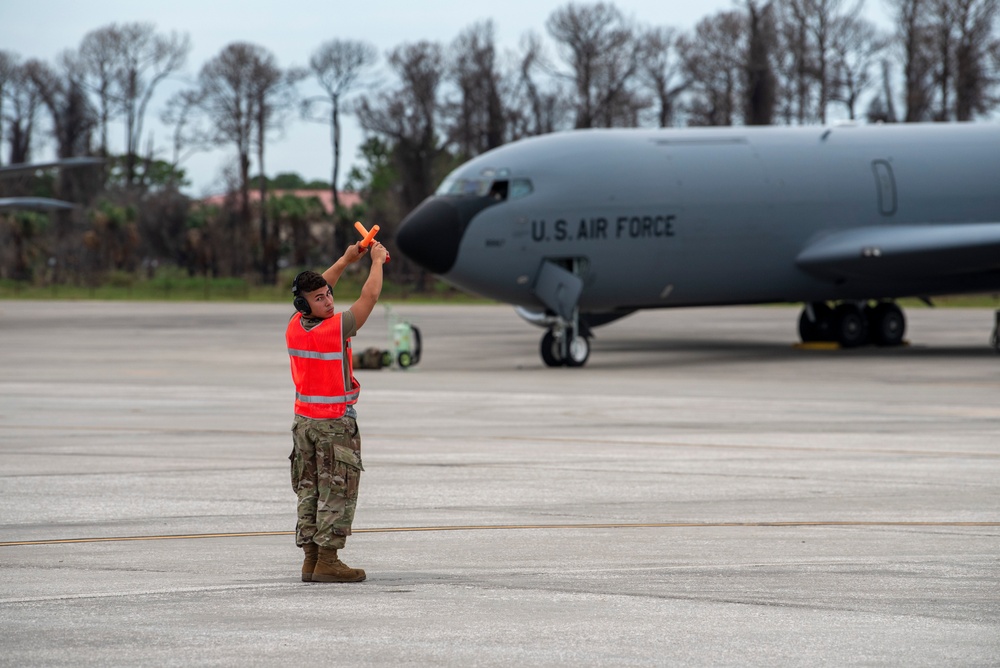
x=348, y=465
x=349, y=457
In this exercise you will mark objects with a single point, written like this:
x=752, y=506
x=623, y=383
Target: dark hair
x=308, y=281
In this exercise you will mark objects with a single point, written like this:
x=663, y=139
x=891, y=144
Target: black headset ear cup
x=299, y=302
x=301, y=305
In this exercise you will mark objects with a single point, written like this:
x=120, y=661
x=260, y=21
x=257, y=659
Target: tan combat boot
x=331, y=569
x=312, y=553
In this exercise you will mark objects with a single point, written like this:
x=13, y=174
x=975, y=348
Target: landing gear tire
x=579, y=350
x=886, y=324
x=820, y=327
x=850, y=326
x=551, y=350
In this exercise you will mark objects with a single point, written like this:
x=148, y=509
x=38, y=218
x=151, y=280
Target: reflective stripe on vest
x=319, y=359
x=312, y=399
x=308, y=354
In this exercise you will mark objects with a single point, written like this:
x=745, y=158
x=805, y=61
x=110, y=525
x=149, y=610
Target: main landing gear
x=565, y=346
x=853, y=324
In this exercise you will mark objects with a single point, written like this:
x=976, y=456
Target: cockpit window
x=520, y=188
x=490, y=183
x=452, y=186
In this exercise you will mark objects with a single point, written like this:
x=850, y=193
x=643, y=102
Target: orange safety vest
x=318, y=358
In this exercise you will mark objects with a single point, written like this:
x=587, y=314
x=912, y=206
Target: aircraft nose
x=430, y=235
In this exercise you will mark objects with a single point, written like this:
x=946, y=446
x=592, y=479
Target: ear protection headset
x=299, y=302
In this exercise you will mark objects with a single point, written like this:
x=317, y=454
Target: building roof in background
x=348, y=199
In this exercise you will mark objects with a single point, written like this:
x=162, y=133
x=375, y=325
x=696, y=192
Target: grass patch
x=173, y=286
x=170, y=284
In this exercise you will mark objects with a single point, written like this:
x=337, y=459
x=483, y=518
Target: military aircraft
x=580, y=228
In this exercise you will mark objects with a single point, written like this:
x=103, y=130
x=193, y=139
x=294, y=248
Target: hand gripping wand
x=368, y=236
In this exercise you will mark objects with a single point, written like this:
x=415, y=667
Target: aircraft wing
x=904, y=251
x=33, y=204
x=19, y=169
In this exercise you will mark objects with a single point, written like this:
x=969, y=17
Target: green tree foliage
x=155, y=175
x=112, y=238
x=23, y=249
x=294, y=217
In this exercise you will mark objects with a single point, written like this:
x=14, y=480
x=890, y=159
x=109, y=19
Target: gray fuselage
x=687, y=217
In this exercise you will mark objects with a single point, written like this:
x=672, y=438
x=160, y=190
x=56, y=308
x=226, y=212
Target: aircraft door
x=885, y=187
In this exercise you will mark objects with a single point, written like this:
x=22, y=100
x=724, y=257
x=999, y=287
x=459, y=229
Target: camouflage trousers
x=326, y=471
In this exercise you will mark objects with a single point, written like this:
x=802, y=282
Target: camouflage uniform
x=326, y=471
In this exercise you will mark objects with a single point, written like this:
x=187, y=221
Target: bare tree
x=409, y=117
x=73, y=120
x=815, y=19
x=187, y=137
x=22, y=103
x=599, y=46
x=146, y=59
x=993, y=63
x=974, y=21
x=548, y=106
x=226, y=95
x=793, y=67
x=662, y=70
x=478, y=118
x=951, y=39
x=101, y=60
x=760, y=79
x=339, y=66
x=62, y=93
x=274, y=96
x=882, y=108
x=8, y=68
x=941, y=34
x=915, y=39
x=715, y=61
x=857, y=48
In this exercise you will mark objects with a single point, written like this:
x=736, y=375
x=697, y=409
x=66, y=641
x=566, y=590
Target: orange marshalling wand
x=368, y=236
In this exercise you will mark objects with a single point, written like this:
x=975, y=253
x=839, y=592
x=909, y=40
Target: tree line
x=426, y=107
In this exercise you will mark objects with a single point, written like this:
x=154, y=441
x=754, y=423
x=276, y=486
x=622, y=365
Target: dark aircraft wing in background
x=33, y=204
x=7, y=171
x=40, y=203
x=905, y=251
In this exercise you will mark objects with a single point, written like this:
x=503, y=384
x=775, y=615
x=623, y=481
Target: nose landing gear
x=564, y=346
x=558, y=286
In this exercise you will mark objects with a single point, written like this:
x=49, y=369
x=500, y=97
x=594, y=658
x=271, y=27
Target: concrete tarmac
x=701, y=493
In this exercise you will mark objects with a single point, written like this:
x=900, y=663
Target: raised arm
x=372, y=287
x=353, y=253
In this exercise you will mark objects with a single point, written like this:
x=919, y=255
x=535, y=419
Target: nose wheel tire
x=551, y=350
x=577, y=350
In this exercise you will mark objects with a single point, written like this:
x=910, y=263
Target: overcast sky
x=292, y=30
